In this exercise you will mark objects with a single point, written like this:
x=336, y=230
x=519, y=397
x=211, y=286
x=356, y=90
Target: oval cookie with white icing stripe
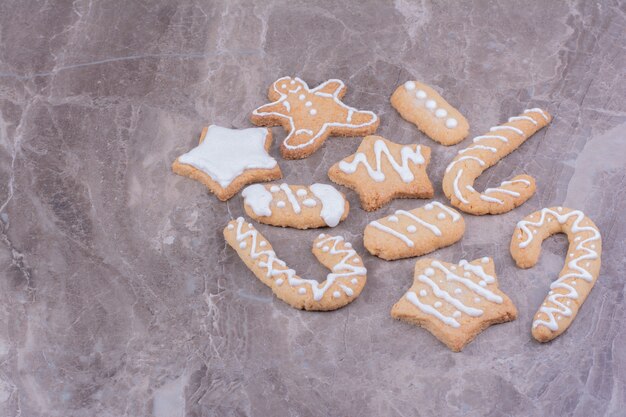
x=298, y=206
x=486, y=151
x=425, y=108
x=578, y=276
x=342, y=285
x=414, y=233
x=455, y=302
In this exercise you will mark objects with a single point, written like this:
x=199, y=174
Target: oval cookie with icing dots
x=454, y=302
x=486, y=151
x=298, y=206
x=342, y=285
x=425, y=108
x=578, y=276
x=414, y=233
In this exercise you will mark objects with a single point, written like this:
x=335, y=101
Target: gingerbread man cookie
x=311, y=115
x=342, y=286
x=425, y=108
x=382, y=170
x=227, y=159
x=297, y=206
x=578, y=276
x=414, y=233
x=487, y=150
x=455, y=302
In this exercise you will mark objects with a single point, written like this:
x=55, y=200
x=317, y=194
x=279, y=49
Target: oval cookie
x=414, y=233
x=342, y=285
x=578, y=276
x=298, y=206
x=425, y=108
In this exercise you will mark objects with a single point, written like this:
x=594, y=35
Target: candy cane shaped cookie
x=414, y=233
x=342, y=285
x=486, y=151
x=577, y=277
x=298, y=206
x=425, y=108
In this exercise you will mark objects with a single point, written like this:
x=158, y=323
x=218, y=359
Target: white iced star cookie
x=227, y=159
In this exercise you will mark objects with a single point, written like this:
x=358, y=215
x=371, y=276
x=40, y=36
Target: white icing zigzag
x=380, y=147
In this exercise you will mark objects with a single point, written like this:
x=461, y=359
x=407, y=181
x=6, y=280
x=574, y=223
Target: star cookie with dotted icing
x=455, y=302
x=382, y=170
x=310, y=115
x=228, y=159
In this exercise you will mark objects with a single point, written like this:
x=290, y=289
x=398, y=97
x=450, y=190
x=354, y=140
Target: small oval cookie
x=414, y=233
x=425, y=108
x=297, y=206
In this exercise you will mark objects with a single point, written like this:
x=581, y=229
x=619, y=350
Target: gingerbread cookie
x=298, y=206
x=487, y=150
x=341, y=287
x=425, y=108
x=227, y=159
x=382, y=170
x=578, y=276
x=414, y=233
x=455, y=302
x=311, y=115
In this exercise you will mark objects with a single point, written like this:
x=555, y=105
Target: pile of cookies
x=454, y=301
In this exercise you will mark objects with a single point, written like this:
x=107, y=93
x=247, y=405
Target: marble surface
x=118, y=294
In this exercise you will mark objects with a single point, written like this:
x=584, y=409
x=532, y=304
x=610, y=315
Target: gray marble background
x=118, y=294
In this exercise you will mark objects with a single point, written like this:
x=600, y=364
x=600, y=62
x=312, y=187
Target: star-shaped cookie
x=311, y=115
x=455, y=302
x=382, y=170
x=227, y=159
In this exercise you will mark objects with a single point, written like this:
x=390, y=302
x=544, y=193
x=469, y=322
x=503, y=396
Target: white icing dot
x=411, y=229
x=284, y=86
x=301, y=192
x=549, y=219
x=571, y=255
x=409, y=85
x=577, y=239
x=441, y=216
x=301, y=97
x=593, y=246
x=550, y=292
x=451, y=123
x=263, y=244
x=483, y=283
x=262, y=264
x=438, y=304
x=292, y=82
x=392, y=219
x=558, y=318
x=279, y=281
x=519, y=236
x=441, y=113
x=420, y=94
x=587, y=264
x=429, y=272
x=313, y=112
x=423, y=293
x=308, y=104
x=325, y=249
x=354, y=281
x=356, y=260
x=231, y=227
x=567, y=303
x=336, y=294
x=321, y=235
x=574, y=283
x=280, y=204
x=348, y=245
x=309, y=202
x=559, y=209
x=477, y=300
x=466, y=274
x=428, y=207
x=535, y=232
x=431, y=104
x=485, y=260
x=456, y=314
x=302, y=290
x=458, y=291
x=274, y=188
x=250, y=225
x=243, y=245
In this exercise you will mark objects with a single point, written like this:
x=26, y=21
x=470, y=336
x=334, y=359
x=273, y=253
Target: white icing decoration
x=262, y=244
x=301, y=97
x=444, y=295
x=482, y=137
x=514, y=129
x=516, y=181
x=503, y=191
x=302, y=290
x=484, y=260
x=242, y=245
x=491, y=199
x=441, y=113
x=349, y=292
x=421, y=94
x=258, y=198
x=412, y=297
x=469, y=284
x=231, y=227
x=451, y=123
x=441, y=216
x=333, y=203
x=287, y=105
x=309, y=202
x=392, y=232
x=292, y=199
x=393, y=219
x=274, y=188
x=380, y=147
x=316, y=91
x=409, y=85
x=465, y=158
x=354, y=281
x=457, y=191
x=428, y=207
x=224, y=154
x=279, y=281
x=429, y=272
x=281, y=204
x=301, y=192
x=423, y=293
x=530, y=119
x=336, y=294
x=431, y=104
x=585, y=253
x=470, y=148
x=438, y=304
x=308, y=104
x=411, y=229
x=537, y=110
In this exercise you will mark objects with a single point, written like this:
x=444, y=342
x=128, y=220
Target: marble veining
x=119, y=296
